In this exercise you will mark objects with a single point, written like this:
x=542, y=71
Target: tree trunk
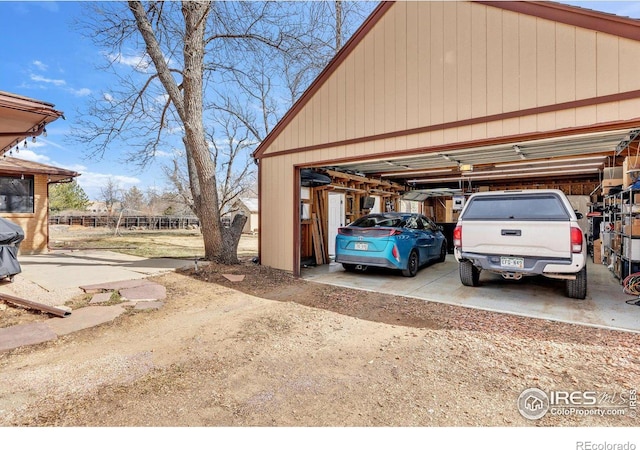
x=195, y=14
x=231, y=239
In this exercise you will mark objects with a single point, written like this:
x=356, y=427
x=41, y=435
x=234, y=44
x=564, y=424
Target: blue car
x=401, y=241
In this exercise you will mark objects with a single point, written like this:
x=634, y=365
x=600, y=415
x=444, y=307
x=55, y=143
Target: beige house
x=249, y=208
x=459, y=94
x=24, y=185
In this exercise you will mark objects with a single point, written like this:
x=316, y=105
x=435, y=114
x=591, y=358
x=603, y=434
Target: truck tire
x=578, y=288
x=469, y=274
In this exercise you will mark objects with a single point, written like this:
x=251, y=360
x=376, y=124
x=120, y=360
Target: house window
x=16, y=194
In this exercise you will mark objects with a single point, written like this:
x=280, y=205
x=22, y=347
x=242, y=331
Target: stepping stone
x=233, y=278
x=25, y=334
x=149, y=305
x=145, y=293
x=101, y=297
x=82, y=318
x=115, y=285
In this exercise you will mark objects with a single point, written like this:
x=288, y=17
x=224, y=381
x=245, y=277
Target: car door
x=421, y=238
x=429, y=237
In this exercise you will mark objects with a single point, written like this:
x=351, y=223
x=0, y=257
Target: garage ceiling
x=575, y=156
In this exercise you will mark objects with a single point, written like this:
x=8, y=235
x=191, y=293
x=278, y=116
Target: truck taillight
x=576, y=240
x=457, y=236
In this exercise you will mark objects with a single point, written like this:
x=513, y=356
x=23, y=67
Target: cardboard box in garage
x=597, y=251
x=607, y=185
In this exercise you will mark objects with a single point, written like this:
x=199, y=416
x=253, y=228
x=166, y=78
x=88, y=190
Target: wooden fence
x=128, y=222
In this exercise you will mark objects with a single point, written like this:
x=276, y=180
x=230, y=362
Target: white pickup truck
x=519, y=233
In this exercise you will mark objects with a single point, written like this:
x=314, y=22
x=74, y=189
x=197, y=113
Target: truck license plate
x=362, y=246
x=512, y=262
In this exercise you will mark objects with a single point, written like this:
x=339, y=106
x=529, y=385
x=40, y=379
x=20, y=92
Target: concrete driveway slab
x=606, y=305
x=60, y=270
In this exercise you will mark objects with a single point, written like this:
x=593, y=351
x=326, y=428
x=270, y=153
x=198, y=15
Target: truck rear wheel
x=469, y=274
x=578, y=288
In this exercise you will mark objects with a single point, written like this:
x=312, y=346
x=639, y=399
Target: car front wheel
x=412, y=265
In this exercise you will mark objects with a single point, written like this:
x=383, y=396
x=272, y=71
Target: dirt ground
x=272, y=350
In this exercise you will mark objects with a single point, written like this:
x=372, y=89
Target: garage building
x=434, y=100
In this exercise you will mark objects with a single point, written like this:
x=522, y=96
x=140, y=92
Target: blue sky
x=43, y=57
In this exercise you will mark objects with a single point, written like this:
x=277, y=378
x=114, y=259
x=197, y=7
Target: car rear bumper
x=532, y=265
x=374, y=261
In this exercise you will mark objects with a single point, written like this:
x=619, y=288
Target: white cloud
x=108, y=97
x=30, y=155
x=163, y=154
x=40, y=65
x=139, y=63
x=48, y=80
x=82, y=92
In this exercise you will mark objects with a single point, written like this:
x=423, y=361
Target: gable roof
x=251, y=204
x=22, y=117
x=15, y=166
x=589, y=19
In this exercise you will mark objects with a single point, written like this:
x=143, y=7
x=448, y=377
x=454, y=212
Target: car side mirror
x=579, y=215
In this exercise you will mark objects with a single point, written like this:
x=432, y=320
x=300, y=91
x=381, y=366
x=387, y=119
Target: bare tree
x=110, y=194
x=200, y=61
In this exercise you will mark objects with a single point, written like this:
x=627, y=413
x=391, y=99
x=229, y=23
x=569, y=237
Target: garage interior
x=597, y=172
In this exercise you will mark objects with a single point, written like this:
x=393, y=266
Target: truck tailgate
x=518, y=238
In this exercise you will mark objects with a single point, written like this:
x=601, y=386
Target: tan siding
x=494, y=61
x=358, y=92
x=450, y=64
x=585, y=64
x=528, y=70
x=629, y=64
x=369, y=83
x=546, y=63
x=399, y=102
x=436, y=90
x=478, y=62
x=389, y=70
x=565, y=43
x=424, y=66
x=277, y=214
x=510, y=62
x=607, y=67
x=413, y=70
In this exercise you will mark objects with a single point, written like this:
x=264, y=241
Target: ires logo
x=534, y=403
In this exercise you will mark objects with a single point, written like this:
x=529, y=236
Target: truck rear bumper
x=532, y=265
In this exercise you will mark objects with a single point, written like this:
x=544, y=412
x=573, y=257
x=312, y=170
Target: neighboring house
x=101, y=207
x=249, y=208
x=24, y=185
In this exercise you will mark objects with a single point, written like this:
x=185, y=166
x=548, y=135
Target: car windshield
x=379, y=220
